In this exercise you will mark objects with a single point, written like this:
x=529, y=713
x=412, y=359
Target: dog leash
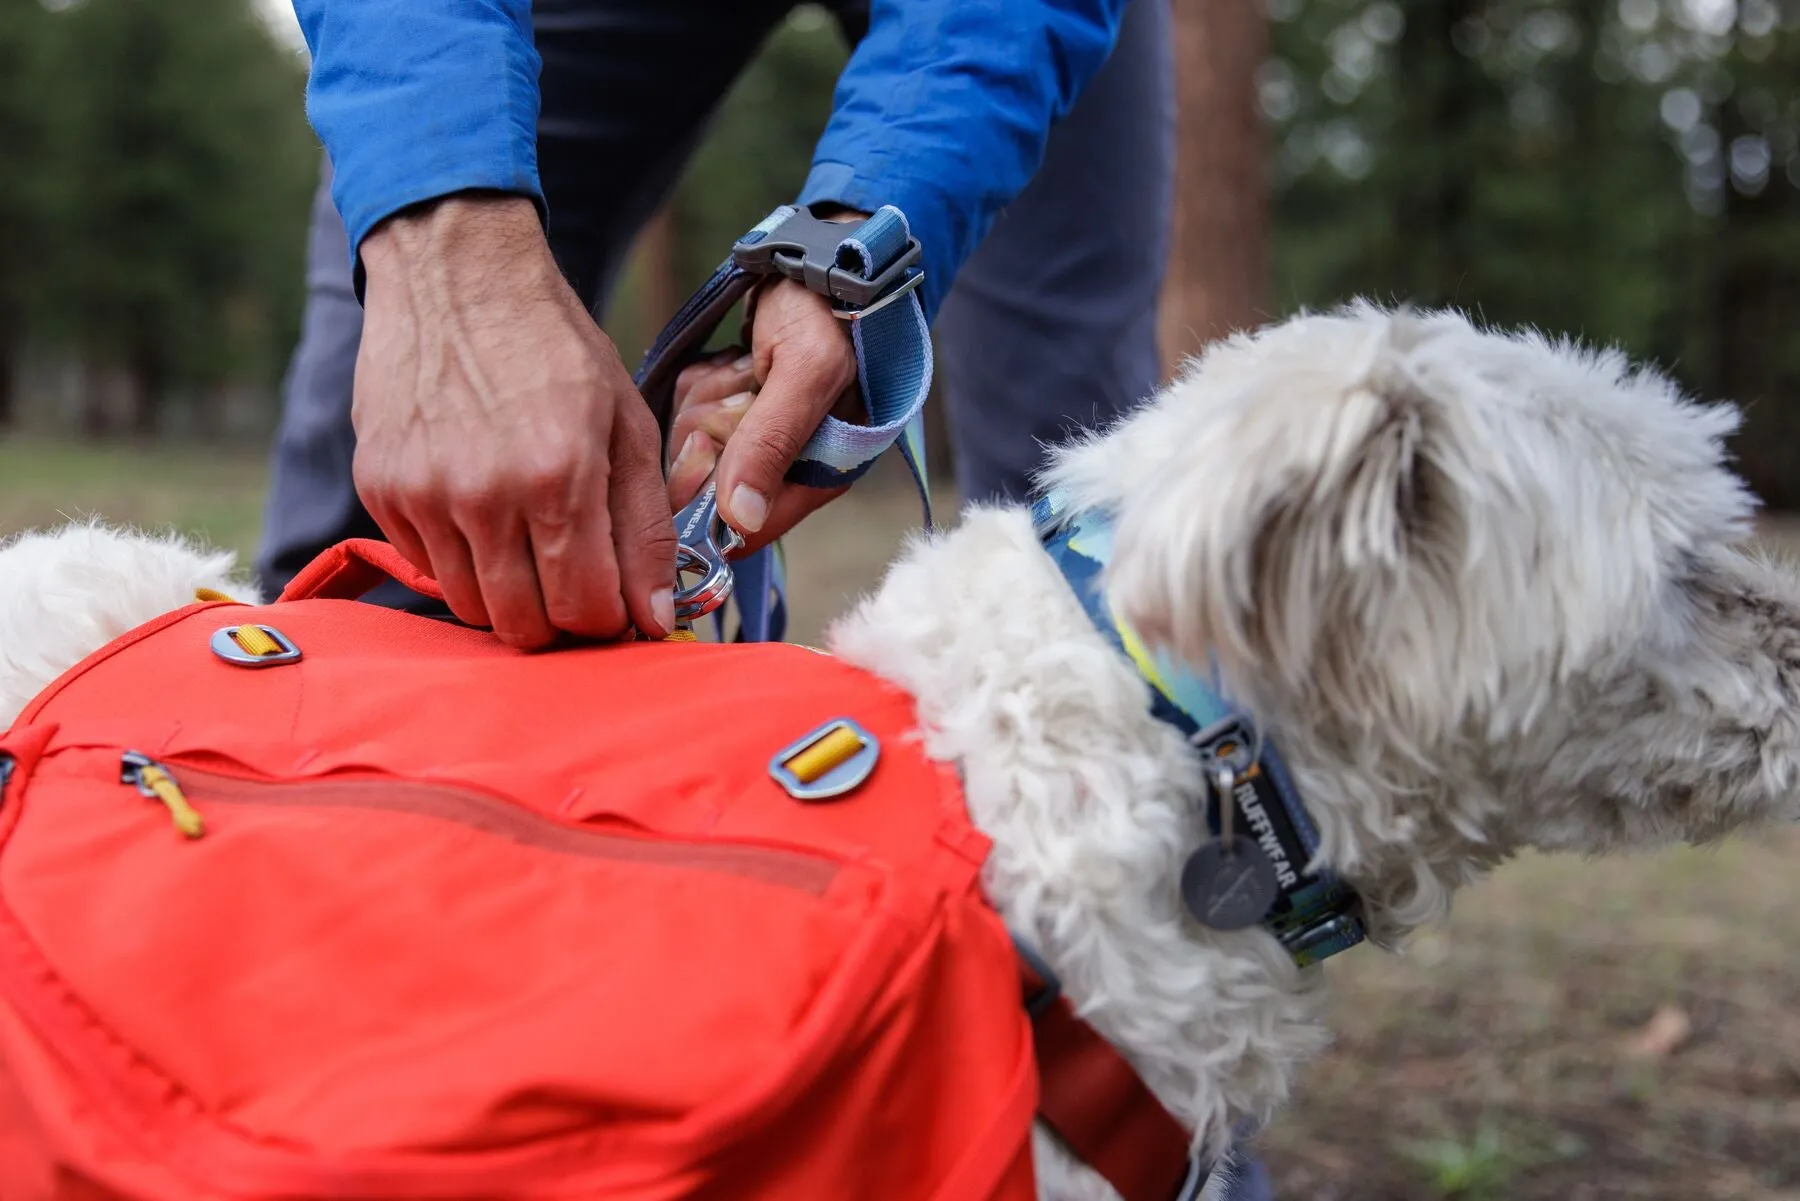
x=870, y=273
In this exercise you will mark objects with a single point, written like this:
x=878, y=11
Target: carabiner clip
x=702, y=542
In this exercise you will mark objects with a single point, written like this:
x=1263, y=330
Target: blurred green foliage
x=155, y=201
x=1627, y=171
x=1623, y=170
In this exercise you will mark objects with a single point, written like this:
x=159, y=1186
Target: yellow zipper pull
x=154, y=780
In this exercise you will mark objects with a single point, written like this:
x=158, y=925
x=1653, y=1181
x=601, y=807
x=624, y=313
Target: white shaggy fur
x=68, y=592
x=1487, y=592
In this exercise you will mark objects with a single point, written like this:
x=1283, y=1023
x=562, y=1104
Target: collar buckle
x=1326, y=935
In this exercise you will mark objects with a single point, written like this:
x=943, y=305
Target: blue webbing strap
x=893, y=366
x=1318, y=916
x=893, y=369
x=684, y=337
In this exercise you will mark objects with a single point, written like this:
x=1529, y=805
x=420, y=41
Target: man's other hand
x=501, y=445
x=749, y=414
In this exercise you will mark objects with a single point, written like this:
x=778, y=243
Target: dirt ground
x=1580, y=1031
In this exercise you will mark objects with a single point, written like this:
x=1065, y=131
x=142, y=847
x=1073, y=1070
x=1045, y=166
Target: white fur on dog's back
x=1484, y=591
x=67, y=592
x=1093, y=806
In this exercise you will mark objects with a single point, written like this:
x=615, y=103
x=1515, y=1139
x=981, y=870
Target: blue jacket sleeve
x=416, y=99
x=944, y=110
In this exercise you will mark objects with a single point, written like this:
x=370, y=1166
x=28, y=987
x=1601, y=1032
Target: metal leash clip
x=702, y=542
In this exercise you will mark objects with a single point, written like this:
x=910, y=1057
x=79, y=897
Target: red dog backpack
x=322, y=900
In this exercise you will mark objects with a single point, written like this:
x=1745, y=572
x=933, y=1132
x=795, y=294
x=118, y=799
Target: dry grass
x=1579, y=1032
x=1519, y=1053
x=217, y=493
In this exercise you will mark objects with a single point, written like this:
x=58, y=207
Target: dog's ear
x=1304, y=526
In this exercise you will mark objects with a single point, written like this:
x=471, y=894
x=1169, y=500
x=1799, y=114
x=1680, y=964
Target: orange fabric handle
x=350, y=569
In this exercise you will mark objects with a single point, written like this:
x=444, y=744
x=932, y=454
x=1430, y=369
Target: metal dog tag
x=1229, y=889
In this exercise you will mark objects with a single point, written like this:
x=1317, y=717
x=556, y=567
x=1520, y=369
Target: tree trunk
x=1755, y=298
x=1439, y=143
x=96, y=402
x=149, y=388
x=1218, y=267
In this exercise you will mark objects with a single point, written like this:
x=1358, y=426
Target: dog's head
x=1480, y=588
x=67, y=592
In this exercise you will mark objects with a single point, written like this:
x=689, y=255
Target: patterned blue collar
x=1260, y=874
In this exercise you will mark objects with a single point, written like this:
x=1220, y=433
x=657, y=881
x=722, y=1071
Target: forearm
x=945, y=108
x=418, y=99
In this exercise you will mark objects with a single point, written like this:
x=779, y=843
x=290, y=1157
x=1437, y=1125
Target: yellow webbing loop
x=255, y=641
x=833, y=750
x=210, y=595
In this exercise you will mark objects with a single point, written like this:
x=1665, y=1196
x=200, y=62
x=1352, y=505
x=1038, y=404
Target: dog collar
x=1313, y=914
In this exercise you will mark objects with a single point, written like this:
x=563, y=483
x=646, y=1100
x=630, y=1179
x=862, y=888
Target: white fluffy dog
x=1485, y=592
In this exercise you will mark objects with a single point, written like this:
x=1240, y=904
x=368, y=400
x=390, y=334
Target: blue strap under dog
x=868, y=271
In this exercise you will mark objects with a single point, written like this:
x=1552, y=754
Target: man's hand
x=751, y=413
x=500, y=442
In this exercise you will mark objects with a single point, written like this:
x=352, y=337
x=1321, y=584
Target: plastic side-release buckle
x=810, y=250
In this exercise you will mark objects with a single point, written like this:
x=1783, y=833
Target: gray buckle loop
x=804, y=248
x=702, y=542
x=228, y=645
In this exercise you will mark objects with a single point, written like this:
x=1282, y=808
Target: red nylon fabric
x=467, y=922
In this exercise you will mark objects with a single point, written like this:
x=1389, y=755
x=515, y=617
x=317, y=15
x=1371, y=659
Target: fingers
x=717, y=419
x=688, y=474
x=810, y=364
x=606, y=544
x=571, y=541
x=510, y=589
x=492, y=416
x=432, y=544
x=718, y=375
x=446, y=558
x=484, y=567
x=642, y=521
x=703, y=429
x=709, y=401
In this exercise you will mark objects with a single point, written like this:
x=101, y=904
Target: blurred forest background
x=1623, y=170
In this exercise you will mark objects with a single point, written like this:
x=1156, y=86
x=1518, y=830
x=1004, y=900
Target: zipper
x=158, y=783
x=461, y=805
x=224, y=787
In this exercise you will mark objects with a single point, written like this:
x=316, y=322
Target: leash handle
x=351, y=569
x=869, y=271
